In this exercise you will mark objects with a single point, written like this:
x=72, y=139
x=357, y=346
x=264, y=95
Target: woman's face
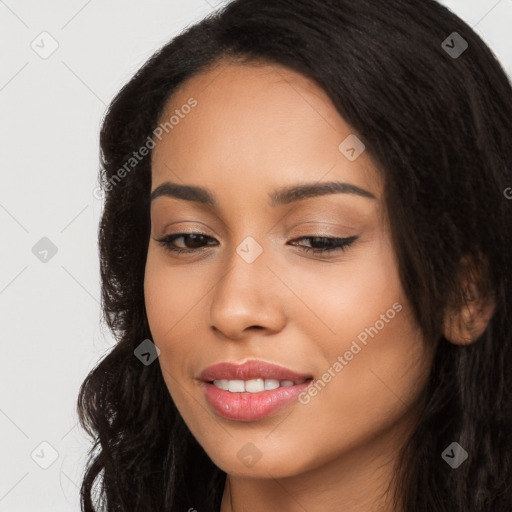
x=249, y=289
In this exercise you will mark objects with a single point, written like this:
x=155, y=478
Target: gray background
x=51, y=109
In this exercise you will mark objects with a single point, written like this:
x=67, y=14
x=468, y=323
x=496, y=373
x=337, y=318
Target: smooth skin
x=257, y=128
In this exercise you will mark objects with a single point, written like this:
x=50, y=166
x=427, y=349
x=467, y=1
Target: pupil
x=321, y=241
x=196, y=239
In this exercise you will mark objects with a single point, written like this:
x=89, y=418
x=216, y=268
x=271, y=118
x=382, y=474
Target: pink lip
x=249, y=370
x=250, y=406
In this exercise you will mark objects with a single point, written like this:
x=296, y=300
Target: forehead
x=255, y=125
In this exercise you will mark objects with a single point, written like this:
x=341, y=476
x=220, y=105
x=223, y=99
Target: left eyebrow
x=277, y=197
x=300, y=192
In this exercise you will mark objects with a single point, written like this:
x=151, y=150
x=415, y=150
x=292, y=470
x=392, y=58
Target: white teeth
x=253, y=385
x=236, y=386
x=222, y=384
x=271, y=384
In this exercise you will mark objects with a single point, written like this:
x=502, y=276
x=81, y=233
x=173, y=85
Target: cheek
x=170, y=298
x=369, y=351
x=376, y=390
x=171, y=295
x=342, y=299
x=374, y=368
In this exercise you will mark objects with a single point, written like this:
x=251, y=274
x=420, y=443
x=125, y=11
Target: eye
x=325, y=245
x=199, y=241
x=195, y=239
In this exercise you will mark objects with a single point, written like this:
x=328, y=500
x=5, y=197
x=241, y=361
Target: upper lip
x=249, y=370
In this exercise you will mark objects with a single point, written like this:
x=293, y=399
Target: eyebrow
x=278, y=197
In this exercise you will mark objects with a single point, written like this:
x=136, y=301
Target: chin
x=253, y=463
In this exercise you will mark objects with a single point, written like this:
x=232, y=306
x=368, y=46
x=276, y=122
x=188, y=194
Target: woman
x=305, y=258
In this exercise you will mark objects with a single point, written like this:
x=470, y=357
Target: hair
x=438, y=128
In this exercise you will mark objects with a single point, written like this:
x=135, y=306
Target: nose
x=248, y=297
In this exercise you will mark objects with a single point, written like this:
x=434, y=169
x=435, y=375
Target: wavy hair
x=438, y=127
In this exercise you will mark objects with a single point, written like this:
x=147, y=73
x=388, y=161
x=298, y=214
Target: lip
x=249, y=370
x=250, y=406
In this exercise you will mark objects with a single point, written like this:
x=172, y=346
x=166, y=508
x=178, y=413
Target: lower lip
x=251, y=406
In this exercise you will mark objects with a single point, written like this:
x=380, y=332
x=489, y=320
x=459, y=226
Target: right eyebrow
x=186, y=192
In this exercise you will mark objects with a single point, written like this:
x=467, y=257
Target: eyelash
x=340, y=244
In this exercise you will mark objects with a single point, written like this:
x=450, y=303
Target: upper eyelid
x=361, y=216
x=304, y=225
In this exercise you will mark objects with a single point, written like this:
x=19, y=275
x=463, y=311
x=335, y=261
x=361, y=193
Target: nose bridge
x=248, y=268
x=249, y=250
x=245, y=296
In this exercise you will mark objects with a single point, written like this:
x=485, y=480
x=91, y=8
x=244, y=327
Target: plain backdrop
x=51, y=106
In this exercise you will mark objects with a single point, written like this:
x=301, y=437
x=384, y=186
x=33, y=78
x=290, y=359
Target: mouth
x=252, y=390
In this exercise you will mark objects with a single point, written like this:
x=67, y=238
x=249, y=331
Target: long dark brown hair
x=438, y=127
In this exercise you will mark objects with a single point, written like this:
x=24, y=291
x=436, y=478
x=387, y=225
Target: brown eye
x=326, y=244
x=194, y=241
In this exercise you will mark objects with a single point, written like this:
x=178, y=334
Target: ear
x=465, y=325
